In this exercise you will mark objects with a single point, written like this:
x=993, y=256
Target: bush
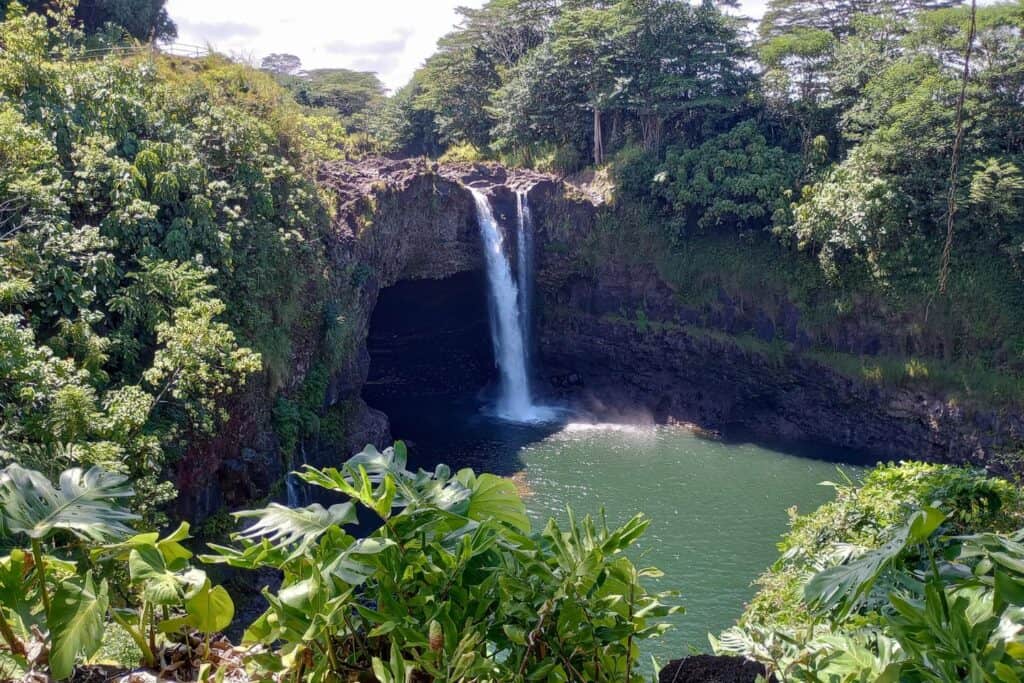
x=915, y=575
x=452, y=584
x=463, y=152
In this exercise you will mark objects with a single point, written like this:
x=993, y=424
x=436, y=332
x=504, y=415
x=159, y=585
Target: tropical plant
x=927, y=604
x=175, y=599
x=44, y=595
x=451, y=584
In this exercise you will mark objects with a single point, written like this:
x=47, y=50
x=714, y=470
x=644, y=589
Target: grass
x=963, y=382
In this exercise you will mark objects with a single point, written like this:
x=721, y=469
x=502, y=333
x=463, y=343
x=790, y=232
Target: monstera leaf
x=85, y=504
x=842, y=587
x=77, y=620
x=285, y=527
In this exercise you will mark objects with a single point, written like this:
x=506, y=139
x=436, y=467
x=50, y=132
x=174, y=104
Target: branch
x=954, y=164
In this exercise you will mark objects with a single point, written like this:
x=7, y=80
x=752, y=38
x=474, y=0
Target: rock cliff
x=614, y=338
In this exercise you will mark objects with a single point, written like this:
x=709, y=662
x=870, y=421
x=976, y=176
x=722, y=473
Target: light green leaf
x=83, y=505
x=146, y=567
x=285, y=527
x=76, y=623
x=842, y=586
x=210, y=610
x=495, y=498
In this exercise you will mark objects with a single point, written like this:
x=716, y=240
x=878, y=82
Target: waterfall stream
x=509, y=318
x=524, y=271
x=296, y=490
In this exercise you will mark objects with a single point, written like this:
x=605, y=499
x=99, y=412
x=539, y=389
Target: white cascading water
x=514, y=401
x=297, y=491
x=524, y=270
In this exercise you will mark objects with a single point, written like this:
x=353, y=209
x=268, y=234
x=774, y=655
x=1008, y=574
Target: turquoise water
x=717, y=508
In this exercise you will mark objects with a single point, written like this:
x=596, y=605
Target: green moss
x=336, y=422
x=964, y=382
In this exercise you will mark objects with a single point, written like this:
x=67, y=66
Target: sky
x=389, y=37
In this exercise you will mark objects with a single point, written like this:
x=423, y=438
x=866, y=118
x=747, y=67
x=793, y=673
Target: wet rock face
x=613, y=336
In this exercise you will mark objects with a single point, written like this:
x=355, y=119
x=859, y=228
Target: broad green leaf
x=285, y=527
x=146, y=567
x=210, y=610
x=841, y=587
x=496, y=498
x=85, y=504
x=77, y=619
x=175, y=554
x=15, y=595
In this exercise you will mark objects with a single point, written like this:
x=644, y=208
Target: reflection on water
x=717, y=508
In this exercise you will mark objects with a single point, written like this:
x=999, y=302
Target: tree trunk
x=651, y=126
x=598, y=138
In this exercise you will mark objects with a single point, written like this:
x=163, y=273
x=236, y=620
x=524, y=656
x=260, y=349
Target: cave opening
x=433, y=373
x=430, y=338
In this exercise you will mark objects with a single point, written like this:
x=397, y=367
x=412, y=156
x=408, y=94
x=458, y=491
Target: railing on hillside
x=172, y=49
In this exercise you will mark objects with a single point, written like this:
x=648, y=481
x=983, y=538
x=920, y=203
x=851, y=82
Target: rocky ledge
x=410, y=220
x=415, y=219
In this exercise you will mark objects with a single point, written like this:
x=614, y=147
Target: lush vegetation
x=452, y=585
x=163, y=254
x=159, y=246
x=916, y=575
x=830, y=134
x=355, y=98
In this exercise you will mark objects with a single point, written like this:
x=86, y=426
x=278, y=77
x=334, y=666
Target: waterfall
x=296, y=489
x=507, y=321
x=524, y=271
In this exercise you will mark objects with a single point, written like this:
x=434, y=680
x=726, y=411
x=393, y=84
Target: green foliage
x=862, y=517
x=733, y=181
x=881, y=585
x=174, y=597
x=450, y=578
x=145, y=20
x=45, y=594
x=159, y=245
x=354, y=98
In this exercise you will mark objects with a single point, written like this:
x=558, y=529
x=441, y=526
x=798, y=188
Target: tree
x=347, y=92
x=590, y=45
x=281, y=63
x=835, y=16
x=685, y=67
x=141, y=19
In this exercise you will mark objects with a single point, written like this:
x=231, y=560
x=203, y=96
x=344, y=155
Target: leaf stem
x=37, y=556
x=140, y=640
x=13, y=642
x=632, y=630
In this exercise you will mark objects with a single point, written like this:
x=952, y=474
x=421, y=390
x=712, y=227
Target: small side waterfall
x=507, y=321
x=297, y=490
x=524, y=271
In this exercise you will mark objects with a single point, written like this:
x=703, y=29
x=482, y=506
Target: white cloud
x=391, y=37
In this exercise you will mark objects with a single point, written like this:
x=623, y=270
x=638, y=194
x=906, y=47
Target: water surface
x=717, y=508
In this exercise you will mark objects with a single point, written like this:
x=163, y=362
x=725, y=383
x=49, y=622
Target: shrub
x=452, y=583
x=889, y=583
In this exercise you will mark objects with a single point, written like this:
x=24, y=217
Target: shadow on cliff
x=431, y=365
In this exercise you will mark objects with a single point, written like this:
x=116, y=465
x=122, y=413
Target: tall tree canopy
x=584, y=74
x=142, y=19
x=836, y=16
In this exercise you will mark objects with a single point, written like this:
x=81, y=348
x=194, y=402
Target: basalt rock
x=614, y=336
x=619, y=341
